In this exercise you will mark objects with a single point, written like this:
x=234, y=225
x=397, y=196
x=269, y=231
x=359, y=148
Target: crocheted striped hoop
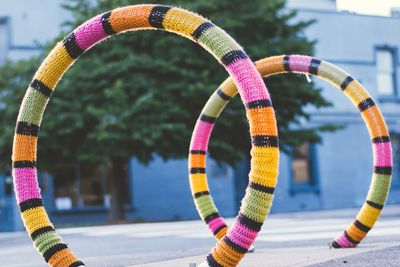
x=255, y=195
x=137, y=17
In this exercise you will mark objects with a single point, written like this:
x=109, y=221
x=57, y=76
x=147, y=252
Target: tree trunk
x=119, y=188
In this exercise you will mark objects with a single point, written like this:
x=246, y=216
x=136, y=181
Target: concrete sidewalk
x=295, y=239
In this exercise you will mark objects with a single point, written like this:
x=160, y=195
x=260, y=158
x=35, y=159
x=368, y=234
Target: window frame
x=394, y=51
x=314, y=185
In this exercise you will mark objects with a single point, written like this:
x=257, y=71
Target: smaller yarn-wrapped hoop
x=381, y=177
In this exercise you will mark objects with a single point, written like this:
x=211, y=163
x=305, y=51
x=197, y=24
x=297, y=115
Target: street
x=291, y=239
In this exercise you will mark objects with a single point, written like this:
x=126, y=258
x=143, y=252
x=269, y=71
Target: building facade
x=333, y=174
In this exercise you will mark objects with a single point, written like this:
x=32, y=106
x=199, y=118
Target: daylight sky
x=371, y=7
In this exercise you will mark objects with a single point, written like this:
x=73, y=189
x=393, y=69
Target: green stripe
x=205, y=206
x=32, y=107
x=254, y=204
x=379, y=188
x=46, y=241
x=214, y=106
x=332, y=74
x=218, y=42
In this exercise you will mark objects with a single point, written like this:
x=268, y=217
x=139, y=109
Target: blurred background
x=115, y=135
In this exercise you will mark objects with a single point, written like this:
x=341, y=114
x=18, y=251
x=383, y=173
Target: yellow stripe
x=35, y=218
x=264, y=161
x=54, y=66
x=198, y=182
x=356, y=92
x=182, y=22
x=229, y=88
x=368, y=215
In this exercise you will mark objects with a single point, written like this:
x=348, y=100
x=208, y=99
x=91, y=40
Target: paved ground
x=297, y=239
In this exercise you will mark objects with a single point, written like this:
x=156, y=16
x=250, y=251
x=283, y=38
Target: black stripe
x=314, y=65
x=202, y=28
x=262, y=103
x=30, y=204
x=41, y=87
x=40, y=231
x=286, y=64
x=223, y=95
x=350, y=239
x=72, y=46
x=235, y=246
x=249, y=223
x=346, y=82
x=366, y=104
x=26, y=128
x=383, y=170
x=105, y=22
x=361, y=226
x=233, y=56
x=334, y=244
x=381, y=139
x=53, y=250
x=208, y=119
x=200, y=194
x=210, y=217
x=198, y=152
x=157, y=16
x=197, y=170
x=265, y=140
x=76, y=264
x=212, y=262
x=262, y=188
x=219, y=229
x=24, y=164
x=374, y=205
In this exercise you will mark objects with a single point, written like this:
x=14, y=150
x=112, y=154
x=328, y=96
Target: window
x=395, y=138
x=303, y=168
x=385, y=63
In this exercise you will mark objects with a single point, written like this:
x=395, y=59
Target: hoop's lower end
x=342, y=241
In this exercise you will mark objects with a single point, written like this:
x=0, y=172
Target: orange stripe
x=262, y=121
x=221, y=233
x=24, y=148
x=130, y=17
x=355, y=233
x=197, y=160
x=375, y=122
x=62, y=258
x=225, y=255
x=270, y=65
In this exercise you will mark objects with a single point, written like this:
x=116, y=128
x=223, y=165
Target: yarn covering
x=259, y=193
x=145, y=17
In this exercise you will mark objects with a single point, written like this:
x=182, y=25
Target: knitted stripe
x=256, y=203
x=192, y=26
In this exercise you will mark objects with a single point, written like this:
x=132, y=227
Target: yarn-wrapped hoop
x=139, y=17
x=253, y=201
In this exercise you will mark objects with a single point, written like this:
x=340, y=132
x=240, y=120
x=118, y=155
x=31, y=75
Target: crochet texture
x=254, y=94
x=254, y=202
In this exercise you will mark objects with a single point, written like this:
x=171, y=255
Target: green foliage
x=140, y=93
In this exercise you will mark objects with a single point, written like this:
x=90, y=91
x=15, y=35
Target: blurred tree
x=139, y=94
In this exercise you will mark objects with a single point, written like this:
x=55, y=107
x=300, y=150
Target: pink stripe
x=300, y=63
x=90, y=33
x=26, y=184
x=216, y=223
x=241, y=235
x=250, y=85
x=201, y=135
x=344, y=242
x=382, y=154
